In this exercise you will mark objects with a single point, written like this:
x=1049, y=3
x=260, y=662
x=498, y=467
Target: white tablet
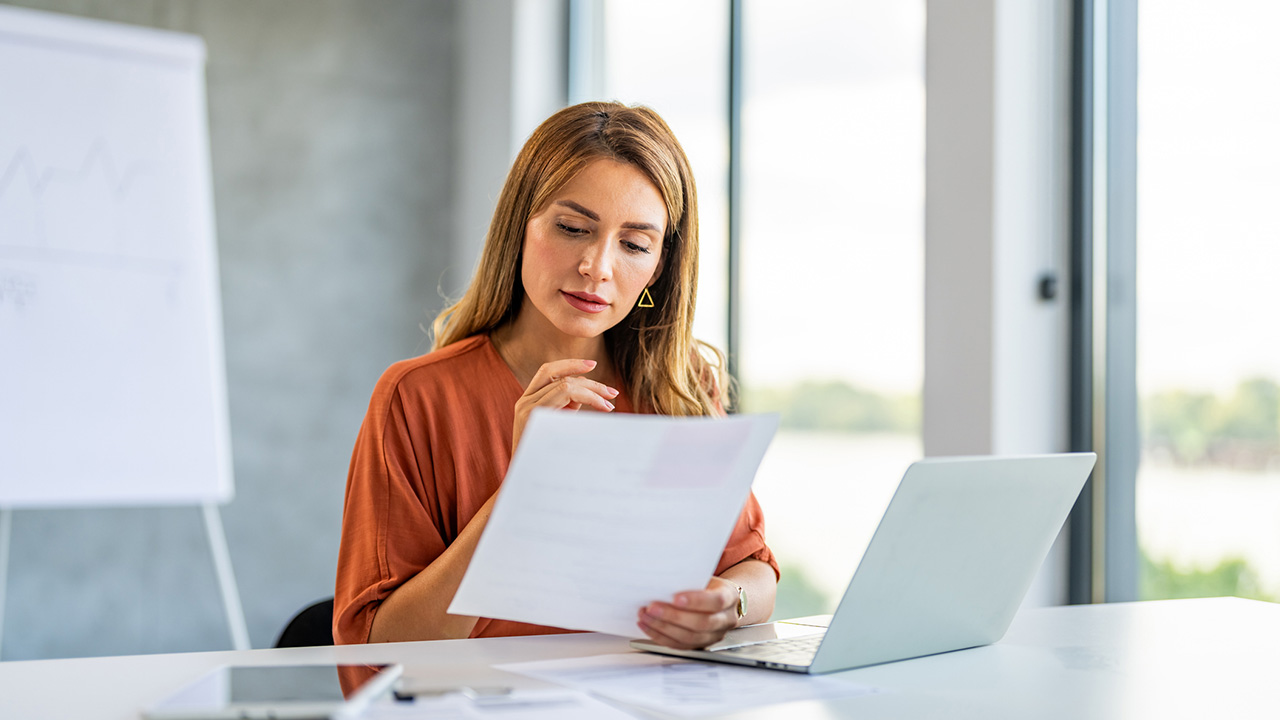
x=278, y=692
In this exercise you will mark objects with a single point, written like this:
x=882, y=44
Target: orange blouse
x=433, y=448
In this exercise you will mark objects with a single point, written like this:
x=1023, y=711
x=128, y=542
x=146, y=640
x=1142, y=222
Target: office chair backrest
x=312, y=626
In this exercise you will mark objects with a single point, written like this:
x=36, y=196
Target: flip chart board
x=112, y=379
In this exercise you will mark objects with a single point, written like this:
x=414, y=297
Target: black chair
x=313, y=626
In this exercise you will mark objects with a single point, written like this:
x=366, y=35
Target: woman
x=583, y=300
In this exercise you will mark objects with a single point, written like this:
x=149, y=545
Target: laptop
x=947, y=568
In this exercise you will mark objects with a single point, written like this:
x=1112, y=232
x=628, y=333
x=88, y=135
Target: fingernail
x=589, y=363
x=681, y=600
x=606, y=402
x=613, y=392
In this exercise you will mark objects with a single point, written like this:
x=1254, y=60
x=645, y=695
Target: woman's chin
x=584, y=328
x=573, y=323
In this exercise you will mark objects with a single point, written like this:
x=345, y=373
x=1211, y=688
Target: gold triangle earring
x=646, y=300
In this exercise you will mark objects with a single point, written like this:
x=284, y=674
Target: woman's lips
x=585, y=302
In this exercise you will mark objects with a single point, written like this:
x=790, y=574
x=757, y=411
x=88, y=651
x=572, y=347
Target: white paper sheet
x=550, y=704
x=601, y=514
x=683, y=687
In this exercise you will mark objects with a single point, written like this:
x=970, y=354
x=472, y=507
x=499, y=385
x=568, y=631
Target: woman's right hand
x=557, y=385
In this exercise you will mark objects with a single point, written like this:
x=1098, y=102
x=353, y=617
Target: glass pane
x=833, y=272
x=1208, y=258
x=673, y=56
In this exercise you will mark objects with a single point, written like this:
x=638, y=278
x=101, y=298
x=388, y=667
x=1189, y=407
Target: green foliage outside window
x=836, y=406
x=1231, y=577
x=1241, y=431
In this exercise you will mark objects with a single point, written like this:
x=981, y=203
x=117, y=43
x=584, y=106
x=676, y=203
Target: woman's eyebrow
x=629, y=225
x=578, y=208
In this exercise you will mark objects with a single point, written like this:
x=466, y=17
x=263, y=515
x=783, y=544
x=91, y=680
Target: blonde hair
x=666, y=370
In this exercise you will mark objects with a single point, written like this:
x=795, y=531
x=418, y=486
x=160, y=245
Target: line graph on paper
x=111, y=385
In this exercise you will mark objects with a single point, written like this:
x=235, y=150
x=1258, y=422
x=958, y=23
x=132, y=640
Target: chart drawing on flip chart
x=112, y=386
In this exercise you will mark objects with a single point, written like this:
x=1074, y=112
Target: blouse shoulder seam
x=401, y=371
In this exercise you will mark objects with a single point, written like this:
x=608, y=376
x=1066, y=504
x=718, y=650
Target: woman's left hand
x=694, y=618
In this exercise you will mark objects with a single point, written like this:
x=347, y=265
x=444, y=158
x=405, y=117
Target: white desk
x=1204, y=659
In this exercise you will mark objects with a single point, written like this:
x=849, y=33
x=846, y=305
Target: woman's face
x=595, y=246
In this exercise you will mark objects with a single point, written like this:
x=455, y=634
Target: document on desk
x=547, y=704
x=684, y=687
x=601, y=514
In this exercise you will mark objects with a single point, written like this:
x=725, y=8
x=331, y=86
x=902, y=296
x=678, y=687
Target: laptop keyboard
x=792, y=651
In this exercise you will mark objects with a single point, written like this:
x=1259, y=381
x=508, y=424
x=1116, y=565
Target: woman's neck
x=525, y=345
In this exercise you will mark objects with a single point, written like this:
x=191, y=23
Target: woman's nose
x=596, y=263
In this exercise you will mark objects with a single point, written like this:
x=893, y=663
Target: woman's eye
x=570, y=229
x=632, y=247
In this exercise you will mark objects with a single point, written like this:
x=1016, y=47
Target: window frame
x=1103, y=557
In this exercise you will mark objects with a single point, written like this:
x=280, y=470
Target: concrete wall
x=511, y=76
x=332, y=141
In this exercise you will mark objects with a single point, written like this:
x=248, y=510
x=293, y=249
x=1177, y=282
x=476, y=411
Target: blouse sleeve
x=389, y=532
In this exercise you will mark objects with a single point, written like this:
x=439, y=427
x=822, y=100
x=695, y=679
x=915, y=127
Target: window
x=1208, y=486
x=832, y=274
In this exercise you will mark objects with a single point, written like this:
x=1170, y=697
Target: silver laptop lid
x=952, y=557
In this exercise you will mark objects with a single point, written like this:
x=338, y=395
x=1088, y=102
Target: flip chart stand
x=221, y=563
x=6, y=528
x=226, y=578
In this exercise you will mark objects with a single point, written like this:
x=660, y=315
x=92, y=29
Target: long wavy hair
x=666, y=370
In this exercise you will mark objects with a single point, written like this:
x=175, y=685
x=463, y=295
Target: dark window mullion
x=1080, y=566
x=733, y=336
